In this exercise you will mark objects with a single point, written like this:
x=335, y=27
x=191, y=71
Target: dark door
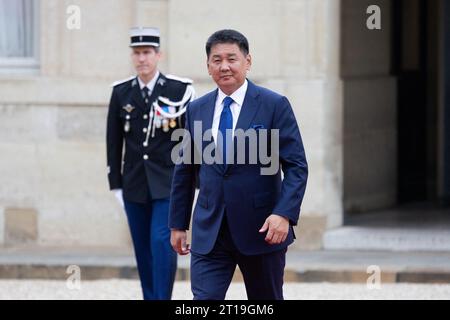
x=416, y=148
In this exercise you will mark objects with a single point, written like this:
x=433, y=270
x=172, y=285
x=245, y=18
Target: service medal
x=158, y=123
x=165, y=124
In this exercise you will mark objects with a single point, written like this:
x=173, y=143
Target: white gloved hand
x=119, y=196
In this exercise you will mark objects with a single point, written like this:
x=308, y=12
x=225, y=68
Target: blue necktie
x=226, y=122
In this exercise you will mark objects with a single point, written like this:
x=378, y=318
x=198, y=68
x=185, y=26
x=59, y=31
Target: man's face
x=145, y=60
x=228, y=66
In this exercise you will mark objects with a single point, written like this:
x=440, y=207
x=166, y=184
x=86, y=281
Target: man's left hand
x=278, y=227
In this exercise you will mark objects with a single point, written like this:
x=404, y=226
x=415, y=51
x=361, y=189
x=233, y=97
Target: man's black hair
x=227, y=36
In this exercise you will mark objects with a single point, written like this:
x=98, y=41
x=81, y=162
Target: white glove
x=119, y=196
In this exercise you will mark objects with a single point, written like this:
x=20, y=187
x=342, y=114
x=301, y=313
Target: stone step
x=387, y=239
x=315, y=266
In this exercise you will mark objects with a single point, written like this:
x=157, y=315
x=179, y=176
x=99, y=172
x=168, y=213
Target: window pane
x=16, y=28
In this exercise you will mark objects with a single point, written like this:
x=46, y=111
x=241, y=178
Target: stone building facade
x=339, y=75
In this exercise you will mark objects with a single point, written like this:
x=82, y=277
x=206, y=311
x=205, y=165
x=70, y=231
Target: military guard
x=143, y=112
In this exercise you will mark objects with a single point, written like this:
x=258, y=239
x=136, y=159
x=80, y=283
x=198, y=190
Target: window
x=19, y=35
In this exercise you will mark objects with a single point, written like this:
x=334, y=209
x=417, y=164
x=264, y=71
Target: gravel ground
x=129, y=289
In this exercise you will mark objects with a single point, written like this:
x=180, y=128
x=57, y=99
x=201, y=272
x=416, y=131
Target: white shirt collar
x=151, y=84
x=238, y=96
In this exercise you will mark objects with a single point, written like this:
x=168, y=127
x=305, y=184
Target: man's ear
x=207, y=66
x=249, y=61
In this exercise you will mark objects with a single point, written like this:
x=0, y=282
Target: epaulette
x=122, y=81
x=184, y=80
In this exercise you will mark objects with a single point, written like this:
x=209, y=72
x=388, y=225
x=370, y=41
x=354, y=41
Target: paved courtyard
x=129, y=289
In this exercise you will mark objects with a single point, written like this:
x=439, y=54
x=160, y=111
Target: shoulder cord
x=188, y=96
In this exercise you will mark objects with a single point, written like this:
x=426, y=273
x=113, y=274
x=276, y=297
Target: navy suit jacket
x=240, y=190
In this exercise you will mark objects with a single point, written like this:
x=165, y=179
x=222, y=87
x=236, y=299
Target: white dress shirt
x=238, y=99
x=150, y=85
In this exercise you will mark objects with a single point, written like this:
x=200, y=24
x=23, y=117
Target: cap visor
x=144, y=44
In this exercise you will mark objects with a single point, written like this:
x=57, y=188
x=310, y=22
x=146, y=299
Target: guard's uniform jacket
x=144, y=168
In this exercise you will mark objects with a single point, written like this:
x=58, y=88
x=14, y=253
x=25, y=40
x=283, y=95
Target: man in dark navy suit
x=243, y=215
x=143, y=112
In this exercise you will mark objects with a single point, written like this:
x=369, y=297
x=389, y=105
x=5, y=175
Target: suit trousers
x=211, y=274
x=156, y=260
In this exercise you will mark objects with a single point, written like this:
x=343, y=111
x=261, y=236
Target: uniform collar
x=151, y=84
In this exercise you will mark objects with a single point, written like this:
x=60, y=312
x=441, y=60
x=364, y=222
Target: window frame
x=28, y=65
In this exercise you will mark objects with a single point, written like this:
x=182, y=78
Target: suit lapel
x=136, y=94
x=208, y=113
x=207, y=119
x=249, y=107
x=159, y=88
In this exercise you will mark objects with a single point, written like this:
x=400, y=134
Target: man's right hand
x=178, y=241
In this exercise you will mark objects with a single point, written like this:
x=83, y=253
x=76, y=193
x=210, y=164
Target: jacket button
x=128, y=117
x=144, y=130
x=145, y=117
x=145, y=157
